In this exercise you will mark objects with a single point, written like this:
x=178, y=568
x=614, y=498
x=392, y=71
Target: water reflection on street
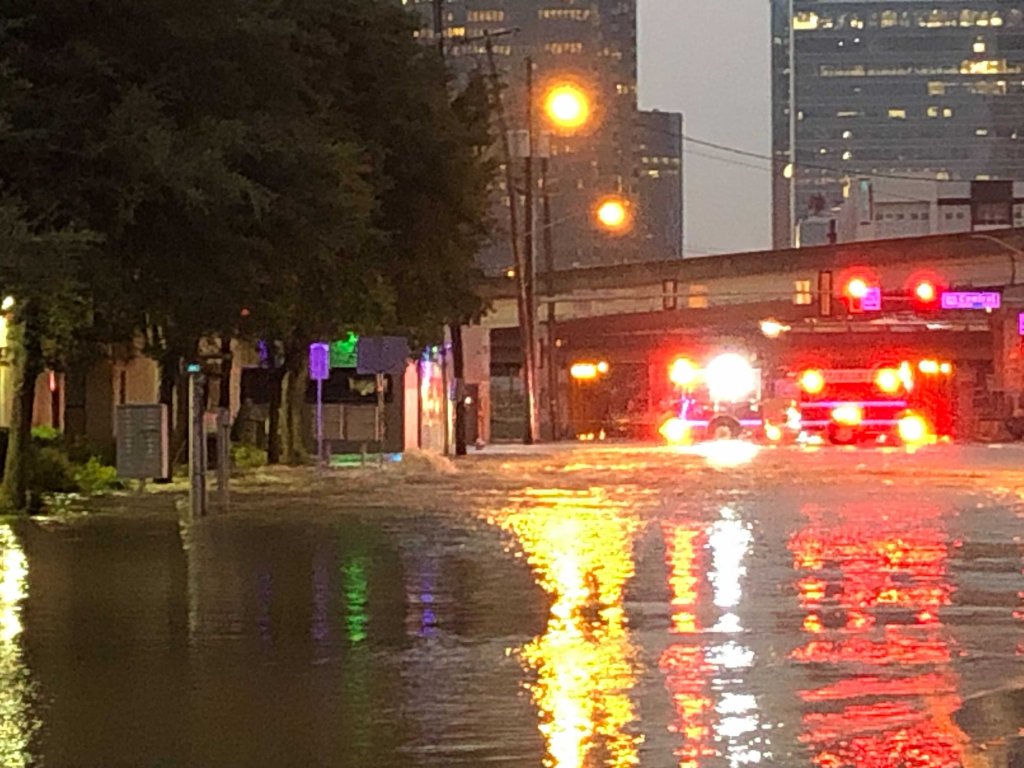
x=570, y=622
x=16, y=721
x=580, y=546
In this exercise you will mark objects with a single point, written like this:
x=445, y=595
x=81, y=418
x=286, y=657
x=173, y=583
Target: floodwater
x=572, y=611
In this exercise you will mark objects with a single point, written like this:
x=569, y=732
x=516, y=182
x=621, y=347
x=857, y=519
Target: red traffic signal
x=862, y=295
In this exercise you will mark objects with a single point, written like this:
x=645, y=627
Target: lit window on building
x=805, y=20
x=566, y=14
x=559, y=49
x=947, y=112
x=936, y=88
x=802, y=292
x=979, y=46
x=981, y=131
x=698, y=298
x=933, y=112
x=485, y=15
x=984, y=67
x=897, y=114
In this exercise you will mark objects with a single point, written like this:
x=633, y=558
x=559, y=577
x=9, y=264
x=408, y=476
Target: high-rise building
x=591, y=43
x=658, y=141
x=900, y=88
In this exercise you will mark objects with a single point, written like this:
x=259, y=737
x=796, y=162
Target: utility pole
x=455, y=328
x=513, y=217
x=549, y=289
x=526, y=323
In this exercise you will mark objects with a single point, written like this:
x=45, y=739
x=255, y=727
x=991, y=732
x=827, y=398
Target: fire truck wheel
x=841, y=435
x=724, y=429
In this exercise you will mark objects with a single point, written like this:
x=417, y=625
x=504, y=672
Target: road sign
x=872, y=301
x=319, y=362
x=971, y=300
x=382, y=354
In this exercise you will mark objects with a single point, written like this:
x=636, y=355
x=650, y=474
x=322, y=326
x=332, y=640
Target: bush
x=246, y=456
x=43, y=436
x=96, y=477
x=50, y=471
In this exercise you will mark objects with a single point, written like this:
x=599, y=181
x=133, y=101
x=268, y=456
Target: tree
x=301, y=164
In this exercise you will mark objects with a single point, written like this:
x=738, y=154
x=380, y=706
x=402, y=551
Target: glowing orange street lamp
x=567, y=106
x=613, y=214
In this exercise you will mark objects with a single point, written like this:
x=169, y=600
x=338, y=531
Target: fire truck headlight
x=848, y=415
x=682, y=372
x=913, y=429
x=772, y=432
x=675, y=431
x=730, y=377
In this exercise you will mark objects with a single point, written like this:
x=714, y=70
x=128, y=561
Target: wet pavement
x=600, y=606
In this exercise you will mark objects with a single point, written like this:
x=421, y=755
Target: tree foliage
x=179, y=169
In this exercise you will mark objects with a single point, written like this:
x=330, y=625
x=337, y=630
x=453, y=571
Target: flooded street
x=604, y=607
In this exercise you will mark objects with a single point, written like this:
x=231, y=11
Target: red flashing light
x=812, y=382
x=925, y=292
x=857, y=288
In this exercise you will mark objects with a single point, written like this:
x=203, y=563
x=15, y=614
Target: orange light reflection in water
x=873, y=590
x=16, y=727
x=580, y=547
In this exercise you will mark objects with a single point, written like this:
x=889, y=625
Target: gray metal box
x=143, y=442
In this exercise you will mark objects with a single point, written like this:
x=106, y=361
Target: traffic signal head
x=857, y=288
x=925, y=292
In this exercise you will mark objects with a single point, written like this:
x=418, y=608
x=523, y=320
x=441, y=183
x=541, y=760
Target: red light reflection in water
x=872, y=583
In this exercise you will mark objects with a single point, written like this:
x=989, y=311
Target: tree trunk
x=459, y=372
x=274, y=447
x=297, y=447
x=226, y=363
x=28, y=364
x=171, y=384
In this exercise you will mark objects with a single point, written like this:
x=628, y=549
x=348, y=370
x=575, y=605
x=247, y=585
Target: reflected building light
x=580, y=547
x=16, y=727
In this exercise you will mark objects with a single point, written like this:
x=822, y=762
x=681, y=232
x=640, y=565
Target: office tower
x=898, y=89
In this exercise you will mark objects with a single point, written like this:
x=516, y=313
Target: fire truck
x=899, y=403
x=720, y=399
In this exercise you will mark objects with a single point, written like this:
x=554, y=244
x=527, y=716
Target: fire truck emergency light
x=888, y=381
x=812, y=382
x=730, y=377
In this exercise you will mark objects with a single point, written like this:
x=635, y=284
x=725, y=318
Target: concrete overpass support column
x=1008, y=359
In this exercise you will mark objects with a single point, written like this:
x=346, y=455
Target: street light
x=567, y=106
x=613, y=214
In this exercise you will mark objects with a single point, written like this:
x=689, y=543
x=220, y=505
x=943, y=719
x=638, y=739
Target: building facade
x=659, y=160
x=592, y=44
x=898, y=89
x=882, y=209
